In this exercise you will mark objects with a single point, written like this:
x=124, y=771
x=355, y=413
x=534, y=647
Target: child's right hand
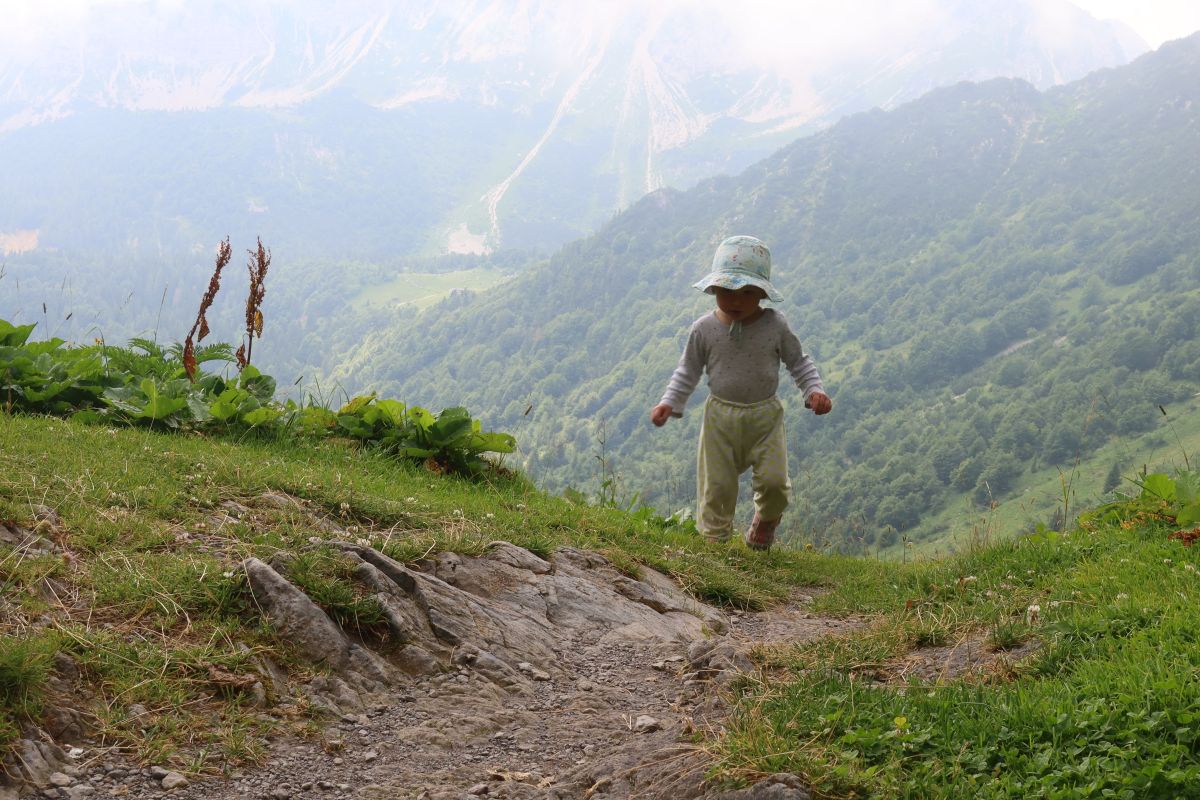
x=660, y=414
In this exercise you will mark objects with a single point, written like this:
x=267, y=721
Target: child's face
x=739, y=304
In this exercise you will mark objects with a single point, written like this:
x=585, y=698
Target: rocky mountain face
x=461, y=125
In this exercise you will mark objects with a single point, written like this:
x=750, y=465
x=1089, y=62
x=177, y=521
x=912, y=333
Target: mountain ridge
x=577, y=116
x=914, y=246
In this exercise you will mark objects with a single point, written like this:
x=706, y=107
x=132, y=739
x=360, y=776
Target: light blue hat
x=741, y=261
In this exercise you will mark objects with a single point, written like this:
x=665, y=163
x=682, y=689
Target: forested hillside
x=995, y=281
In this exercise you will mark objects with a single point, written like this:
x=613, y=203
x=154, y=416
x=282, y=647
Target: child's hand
x=819, y=402
x=660, y=414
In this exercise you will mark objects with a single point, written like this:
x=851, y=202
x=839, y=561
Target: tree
x=1113, y=479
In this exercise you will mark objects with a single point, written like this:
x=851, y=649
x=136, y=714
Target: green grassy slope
x=142, y=587
x=1056, y=665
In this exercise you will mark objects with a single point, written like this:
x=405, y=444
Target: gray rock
x=59, y=779
x=646, y=724
x=79, y=792
x=33, y=762
x=642, y=593
x=780, y=786
x=47, y=514
x=173, y=780
x=519, y=557
x=533, y=672
x=279, y=500
x=303, y=624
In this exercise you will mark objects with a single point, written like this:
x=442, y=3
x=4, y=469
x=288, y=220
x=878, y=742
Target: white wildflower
x=490, y=515
x=363, y=542
x=1033, y=614
x=1120, y=597
x=410, y=499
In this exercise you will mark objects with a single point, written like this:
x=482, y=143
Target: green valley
x=423, y=289
x=998, y=284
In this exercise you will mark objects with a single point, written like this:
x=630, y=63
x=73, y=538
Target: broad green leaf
x=357, y=404
x=420, y=416
x=1188, y=515
x=1158, y=485
x=14, y=335
x=354, y=426
x=1187, y=487
x=393, y=411
x=492, y=442
x=261, y=416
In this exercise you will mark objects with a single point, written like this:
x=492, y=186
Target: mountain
x=377, y=128
x=998, y=283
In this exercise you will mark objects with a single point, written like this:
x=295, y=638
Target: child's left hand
x=819, y=402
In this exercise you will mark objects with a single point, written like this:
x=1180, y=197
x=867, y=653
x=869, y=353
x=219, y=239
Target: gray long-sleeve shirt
x=741, y=369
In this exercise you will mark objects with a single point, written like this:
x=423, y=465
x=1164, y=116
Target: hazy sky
x=1155, y=20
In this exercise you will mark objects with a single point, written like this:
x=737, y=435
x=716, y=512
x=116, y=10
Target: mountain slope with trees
x=996, y=282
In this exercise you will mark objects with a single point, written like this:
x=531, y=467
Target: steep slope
x=996, y=281
x=462, y=125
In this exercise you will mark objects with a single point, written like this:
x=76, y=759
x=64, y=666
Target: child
x=740, y=346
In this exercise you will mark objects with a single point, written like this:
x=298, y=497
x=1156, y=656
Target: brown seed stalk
x=260, y=259
x=224, y=253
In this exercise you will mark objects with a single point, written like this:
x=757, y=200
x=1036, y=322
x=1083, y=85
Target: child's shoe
x=761, y=534
x=718, y=537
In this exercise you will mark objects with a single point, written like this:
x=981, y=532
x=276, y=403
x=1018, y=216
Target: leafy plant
x=148, y=384
x=450, y=441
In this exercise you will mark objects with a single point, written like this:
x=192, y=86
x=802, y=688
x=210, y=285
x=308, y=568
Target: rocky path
x=517, y=677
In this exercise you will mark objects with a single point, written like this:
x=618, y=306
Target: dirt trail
x=519, y=677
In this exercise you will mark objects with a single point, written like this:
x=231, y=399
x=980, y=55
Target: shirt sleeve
x=798, y=363
x=687, y=375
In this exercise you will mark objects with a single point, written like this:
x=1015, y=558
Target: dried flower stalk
x=260, y=259
x=224, y=253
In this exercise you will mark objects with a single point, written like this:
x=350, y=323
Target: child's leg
x=772, y=487
x=716, y=472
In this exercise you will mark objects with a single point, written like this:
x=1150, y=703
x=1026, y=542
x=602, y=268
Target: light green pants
x=735, y=437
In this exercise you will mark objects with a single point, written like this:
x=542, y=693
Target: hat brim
x=735, y=281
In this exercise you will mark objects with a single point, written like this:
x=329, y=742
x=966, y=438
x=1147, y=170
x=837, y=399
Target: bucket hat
x=741, y=261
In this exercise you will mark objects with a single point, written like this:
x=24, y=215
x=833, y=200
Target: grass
x=1088, y=638
x=1105, y=707
x=423, y=289
x=146, y=596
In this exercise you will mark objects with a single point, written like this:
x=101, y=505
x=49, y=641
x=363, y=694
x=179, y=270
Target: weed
x=24, y=667
x=327, y=577
x=1008, y=634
